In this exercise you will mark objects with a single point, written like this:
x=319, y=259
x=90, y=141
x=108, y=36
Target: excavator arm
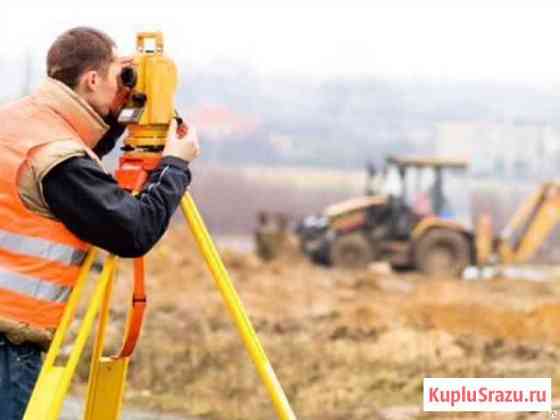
x=531, y=225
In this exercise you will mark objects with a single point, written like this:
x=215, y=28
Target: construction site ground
x=346, y=345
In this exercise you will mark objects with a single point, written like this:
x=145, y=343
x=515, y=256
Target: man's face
x=100, y=89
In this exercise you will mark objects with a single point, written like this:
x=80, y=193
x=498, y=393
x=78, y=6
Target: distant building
x=502, y=149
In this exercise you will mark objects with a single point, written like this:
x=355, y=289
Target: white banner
x=487, y=394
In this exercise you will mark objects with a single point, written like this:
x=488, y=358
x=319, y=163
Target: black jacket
x=91, y=204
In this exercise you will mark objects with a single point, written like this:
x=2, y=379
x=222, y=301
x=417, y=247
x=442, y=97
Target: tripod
x=107, y=377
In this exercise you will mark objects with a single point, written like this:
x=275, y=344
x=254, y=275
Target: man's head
x=86, y=60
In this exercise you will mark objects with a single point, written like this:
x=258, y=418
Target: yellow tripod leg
x=235, y=307
x=53, y=382
x=107, y=377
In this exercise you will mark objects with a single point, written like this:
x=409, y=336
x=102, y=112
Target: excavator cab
x=422, y=183
x=416, y=187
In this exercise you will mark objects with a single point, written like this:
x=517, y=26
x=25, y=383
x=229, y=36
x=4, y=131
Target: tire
x=351, y=251
x=442, y=252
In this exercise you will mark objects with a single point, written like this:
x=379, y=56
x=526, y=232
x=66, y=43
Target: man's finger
x=127, y=60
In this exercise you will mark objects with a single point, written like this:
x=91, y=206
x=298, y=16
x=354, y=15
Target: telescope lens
x=129, y=77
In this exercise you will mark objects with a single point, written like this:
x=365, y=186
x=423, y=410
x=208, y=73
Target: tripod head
x=151, y=106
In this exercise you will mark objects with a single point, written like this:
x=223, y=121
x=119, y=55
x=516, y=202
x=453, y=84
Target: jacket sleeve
x=95, y=208
x=109, y=140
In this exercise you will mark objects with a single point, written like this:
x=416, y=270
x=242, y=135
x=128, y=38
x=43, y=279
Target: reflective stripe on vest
x=33, y=287
x=41, y=248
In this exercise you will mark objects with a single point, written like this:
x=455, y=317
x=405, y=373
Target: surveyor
x=57, y=200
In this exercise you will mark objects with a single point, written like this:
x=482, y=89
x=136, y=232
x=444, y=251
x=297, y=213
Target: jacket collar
x=73, y=109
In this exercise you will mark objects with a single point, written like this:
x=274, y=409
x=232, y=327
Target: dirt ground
x=346, y=345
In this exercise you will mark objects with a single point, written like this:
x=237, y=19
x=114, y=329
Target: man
x=56, y=199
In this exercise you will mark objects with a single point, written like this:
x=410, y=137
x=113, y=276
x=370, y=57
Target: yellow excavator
x=415, y=227
x=526, y=232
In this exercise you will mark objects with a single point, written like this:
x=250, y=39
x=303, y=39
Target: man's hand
x=181, y=142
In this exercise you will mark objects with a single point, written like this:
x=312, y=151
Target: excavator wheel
x=442, y=252
x=351, y=251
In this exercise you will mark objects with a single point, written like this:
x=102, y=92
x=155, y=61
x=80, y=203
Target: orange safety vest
x=39, y=258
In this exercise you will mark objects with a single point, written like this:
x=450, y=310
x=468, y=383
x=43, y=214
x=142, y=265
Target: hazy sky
x=502, y=42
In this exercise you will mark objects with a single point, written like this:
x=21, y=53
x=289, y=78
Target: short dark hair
x=76, y=51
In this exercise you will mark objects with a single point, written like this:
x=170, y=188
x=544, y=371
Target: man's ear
x=90, y=81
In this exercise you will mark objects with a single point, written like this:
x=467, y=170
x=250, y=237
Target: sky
x=506, y=41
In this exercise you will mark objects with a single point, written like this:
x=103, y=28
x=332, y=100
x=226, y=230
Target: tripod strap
x=132, y=174
x=137, y=309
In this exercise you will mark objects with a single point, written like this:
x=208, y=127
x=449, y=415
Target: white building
x=500, y=148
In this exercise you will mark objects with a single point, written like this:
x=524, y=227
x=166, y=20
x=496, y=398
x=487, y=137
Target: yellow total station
x=152, y=103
